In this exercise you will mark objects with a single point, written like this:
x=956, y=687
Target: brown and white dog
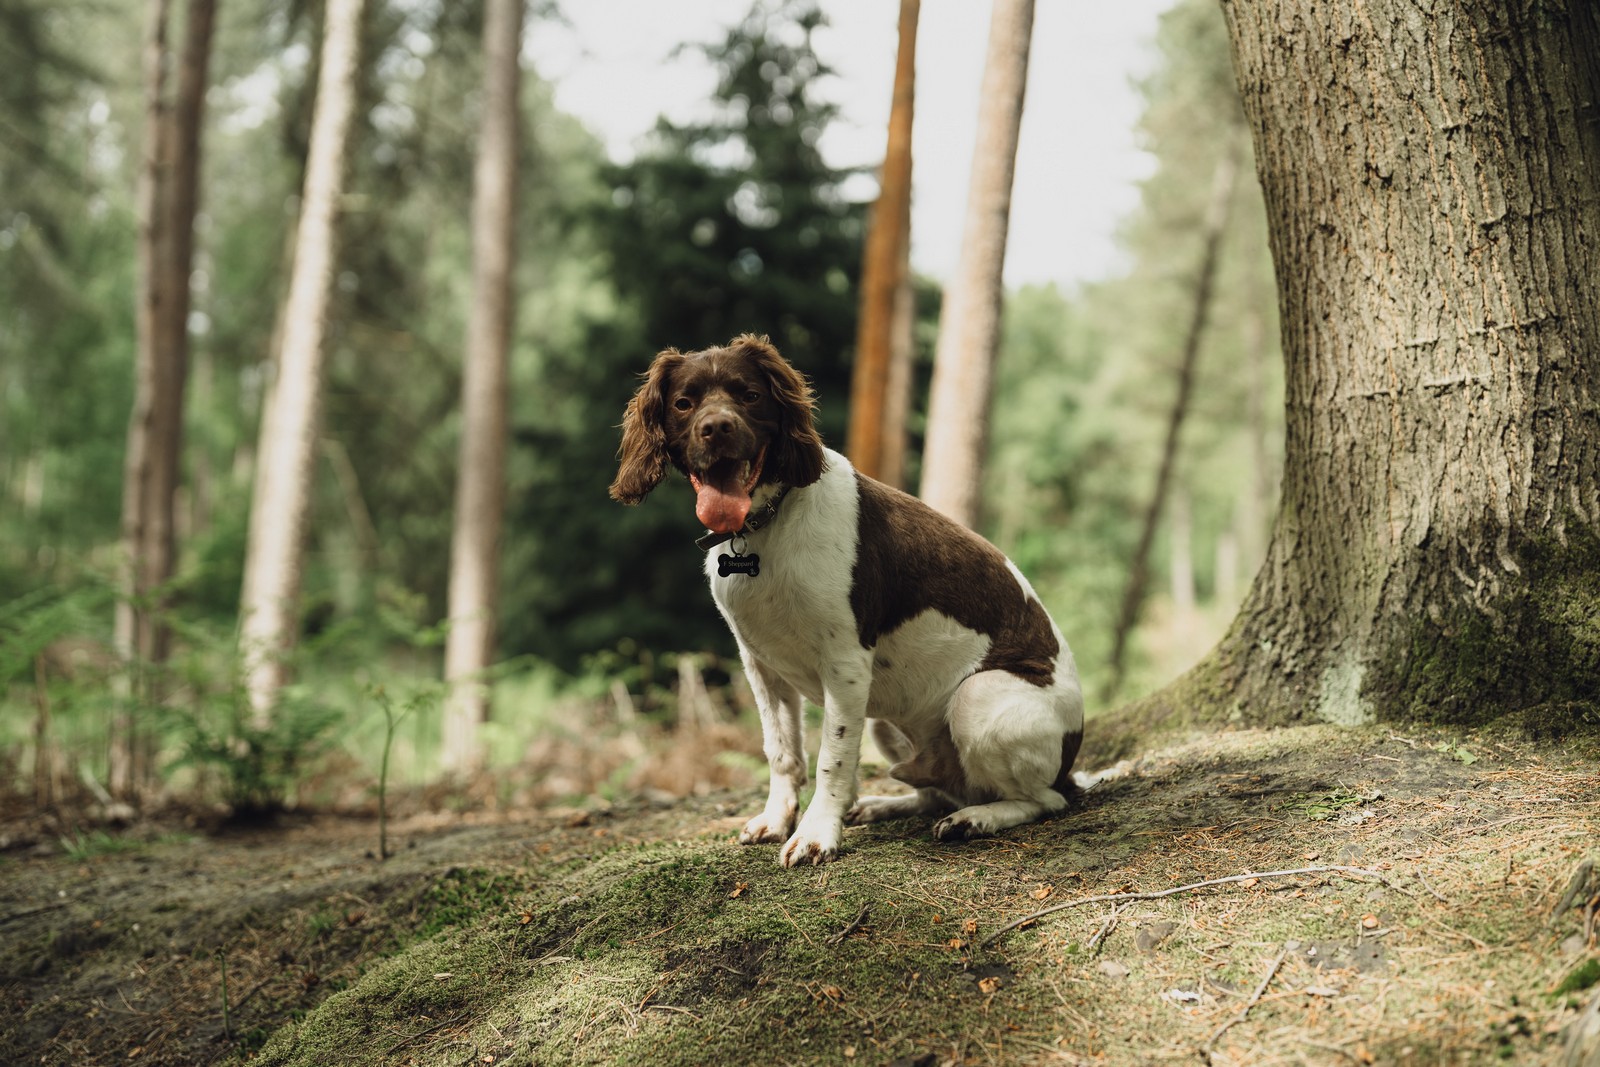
x=862, y=599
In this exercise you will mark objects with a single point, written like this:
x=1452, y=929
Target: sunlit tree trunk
x=480, y=477
x=1432, y=181
x=883, y=269
x=902, y=362
x=969, y=326
x=281, y=499
x=167, y=199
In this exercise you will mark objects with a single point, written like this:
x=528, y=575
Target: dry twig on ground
x=855, y=924
x=1575, y=887
x=1105, y=928
x=1361, y=872
x=1254, y=998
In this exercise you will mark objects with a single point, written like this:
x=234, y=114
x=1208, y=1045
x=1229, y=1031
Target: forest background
x=731, y=224
x=1423, y=612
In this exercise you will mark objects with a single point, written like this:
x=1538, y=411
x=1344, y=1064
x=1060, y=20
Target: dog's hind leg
x=925, y=801
x=1016, y=742
x=783, y=740
x=883, y=808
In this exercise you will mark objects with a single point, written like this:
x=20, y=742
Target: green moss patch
x=1582, y=977
x=691, y=954
x=1537, y=647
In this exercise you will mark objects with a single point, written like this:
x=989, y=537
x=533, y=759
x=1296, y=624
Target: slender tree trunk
x=44, y=749
x=969, y=327
x=883, y=266
x=159, y=552
x=137, y=460
x=1214, y=227
x=1432, y=181
x=480, y=479
x=902, y=361
x=281, y=500
x=167, y=199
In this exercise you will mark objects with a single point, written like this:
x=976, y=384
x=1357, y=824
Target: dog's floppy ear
x=795, y=457
x=643, y=456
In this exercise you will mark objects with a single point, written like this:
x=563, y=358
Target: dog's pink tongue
x=721, y=501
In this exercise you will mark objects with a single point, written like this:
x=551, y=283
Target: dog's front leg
x=846, y=680
x=783, y=740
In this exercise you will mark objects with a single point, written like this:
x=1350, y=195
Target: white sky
x=1077, y=164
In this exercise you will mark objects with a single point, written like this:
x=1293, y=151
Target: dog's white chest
x=782, y=617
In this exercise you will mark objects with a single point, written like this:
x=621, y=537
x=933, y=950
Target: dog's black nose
x=716, y=424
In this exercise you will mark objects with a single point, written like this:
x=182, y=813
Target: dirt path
x=647, y=935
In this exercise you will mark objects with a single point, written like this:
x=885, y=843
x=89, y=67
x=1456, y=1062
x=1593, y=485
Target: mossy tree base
x=1529, y=658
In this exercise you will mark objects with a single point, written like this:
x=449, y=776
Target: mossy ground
x=650, y=936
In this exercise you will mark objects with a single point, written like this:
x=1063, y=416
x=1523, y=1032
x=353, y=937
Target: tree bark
x=480, y=480
x=969, y=326
x=902, y=362
x=182, y=204
x=276, y=548
x=168, y=195
x=1432, y=181
x=1214, y=226
x=149, y=197
x=883, y=267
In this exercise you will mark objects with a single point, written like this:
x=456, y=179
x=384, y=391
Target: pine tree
x=719, y=227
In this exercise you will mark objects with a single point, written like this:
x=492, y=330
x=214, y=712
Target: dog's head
x=730, y=418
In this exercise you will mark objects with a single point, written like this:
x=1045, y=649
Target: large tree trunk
x=167, y=198
x=480, y=479
x=969, y=326
x=281, y=500
x=1432, y=181
x=883, y=269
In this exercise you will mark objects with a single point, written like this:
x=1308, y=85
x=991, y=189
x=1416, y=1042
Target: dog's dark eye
x=683, y=403
x=751, y=396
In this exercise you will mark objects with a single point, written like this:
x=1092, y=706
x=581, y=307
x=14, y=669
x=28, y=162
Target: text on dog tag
x=748, y=565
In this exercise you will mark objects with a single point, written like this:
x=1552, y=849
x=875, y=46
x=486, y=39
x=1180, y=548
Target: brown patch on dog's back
x=911, y=559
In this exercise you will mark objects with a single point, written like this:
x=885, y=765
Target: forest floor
x=1424, y=929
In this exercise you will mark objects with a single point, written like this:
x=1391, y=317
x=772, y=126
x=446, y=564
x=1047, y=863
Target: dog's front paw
x=768, y=828
x=811, y=845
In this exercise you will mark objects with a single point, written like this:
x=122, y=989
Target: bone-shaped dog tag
x=749, y=565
